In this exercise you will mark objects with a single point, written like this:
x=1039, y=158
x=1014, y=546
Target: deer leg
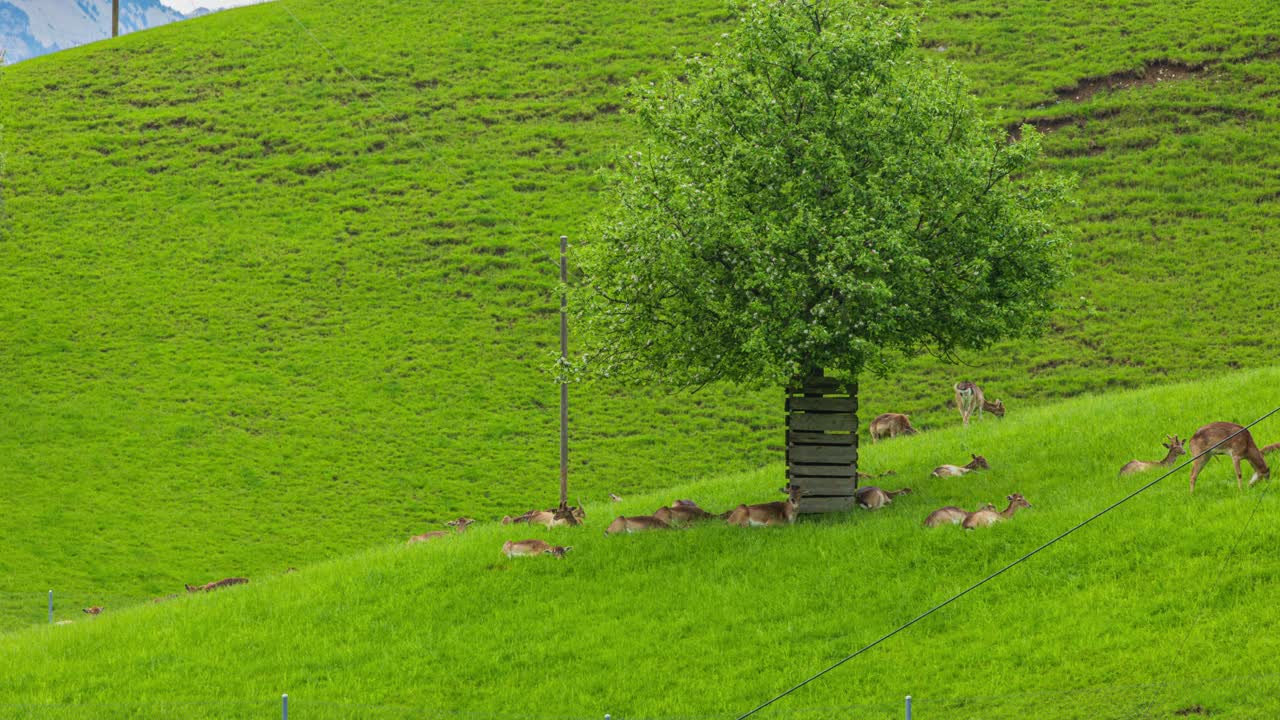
x=1235, y=462
x=1195, y=470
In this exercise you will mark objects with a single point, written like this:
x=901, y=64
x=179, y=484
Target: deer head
x=1174, y=445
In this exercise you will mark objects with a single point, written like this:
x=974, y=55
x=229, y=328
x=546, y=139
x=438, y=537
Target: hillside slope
x=274, y=284
x=1162, y=605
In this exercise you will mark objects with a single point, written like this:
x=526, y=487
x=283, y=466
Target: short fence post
x=50, y=607
x=284, y=706
x=607, y=717
x=908, y=707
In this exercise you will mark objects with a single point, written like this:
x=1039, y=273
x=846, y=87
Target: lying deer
x=638, y=523
x=95, y=610
x=1240, y=447
x=528, y=548
x=765, y=514
x=459, y=526
x=874, y=498
x=1172, y=444
x=556, y=517
x=1273, y=447
x=679, y=512
x=987, y=518
x=208, y=587
x=969, y=397
x=977, y=463
x=952, y=515
x=890, y=425
x=614, y=498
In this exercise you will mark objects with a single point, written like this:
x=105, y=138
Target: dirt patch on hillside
x=1153, y=72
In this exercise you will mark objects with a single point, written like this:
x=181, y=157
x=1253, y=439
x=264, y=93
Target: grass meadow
x=277, y=287
x=1161, y=605
x=276, y=290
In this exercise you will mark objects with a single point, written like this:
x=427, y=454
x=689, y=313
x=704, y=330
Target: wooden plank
x=824, y=485
x=823, y=404
x=809, y=505
x=819, y=386
x=826, y=454
x=817, y=438
x=822, y=421
x=798, y=470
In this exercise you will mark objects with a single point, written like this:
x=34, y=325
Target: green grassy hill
x=1162, y=605
x=276, y=282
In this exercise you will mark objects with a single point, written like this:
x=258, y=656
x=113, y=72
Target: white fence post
x=284, y=706
x=908, y=707
x=50, y=607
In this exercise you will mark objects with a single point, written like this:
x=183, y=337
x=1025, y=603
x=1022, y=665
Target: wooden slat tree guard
x=822, y=443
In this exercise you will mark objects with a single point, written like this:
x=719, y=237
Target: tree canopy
x=814, y=194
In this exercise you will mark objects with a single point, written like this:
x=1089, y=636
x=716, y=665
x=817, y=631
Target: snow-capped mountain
x=35, y=27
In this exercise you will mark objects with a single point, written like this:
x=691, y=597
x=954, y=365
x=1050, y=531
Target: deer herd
x=1219, y=438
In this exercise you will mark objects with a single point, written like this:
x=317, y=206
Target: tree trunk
x=822, y=443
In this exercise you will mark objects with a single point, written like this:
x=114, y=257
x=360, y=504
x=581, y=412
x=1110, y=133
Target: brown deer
x=95, y=610
x=459, y=526
x=528, y=548
x=766, y=514
x=209, y=587
x=556, y=517
x=1240, y=447
x=679, y=512
x=952, y=515
x=638, y=523
x=890, y=425
x=969, y=397
x=1273, y=447
x=987, y=518
x=977, y=463
x=874, y=498
x=1172, y=444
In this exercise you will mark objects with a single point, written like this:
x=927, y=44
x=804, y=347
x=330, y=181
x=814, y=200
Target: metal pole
x=564, y=386
x=50, y=607
x=908, y=707
x=284, y=705
x=115, y=18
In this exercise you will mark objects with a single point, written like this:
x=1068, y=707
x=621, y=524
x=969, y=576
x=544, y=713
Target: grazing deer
x=528, y=548
x=987, y=518
x=977, y=463
x=1172, y=444
x=969, y=397
x=952, y=515
x=95, y=610
x=765, y=514
x=874, y=498
x=209, y=587
x=890, y=425
x=1240, y=447
x=681, y=513
x=636, y=523
x=459, y=526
